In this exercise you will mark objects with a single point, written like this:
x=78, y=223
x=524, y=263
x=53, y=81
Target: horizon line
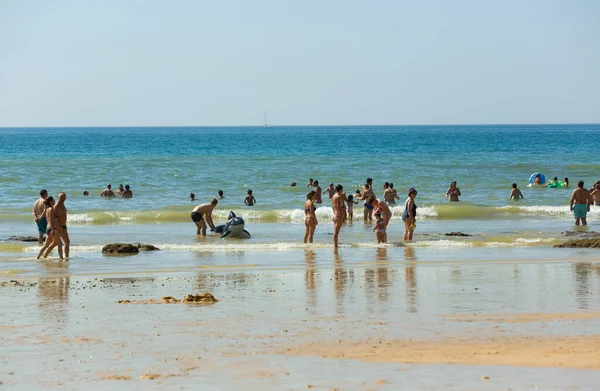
x=287, y=126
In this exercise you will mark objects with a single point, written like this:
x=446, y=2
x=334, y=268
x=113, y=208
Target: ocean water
x=163, y=165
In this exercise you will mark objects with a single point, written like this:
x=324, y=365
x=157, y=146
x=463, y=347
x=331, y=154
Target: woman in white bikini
x=453, y=192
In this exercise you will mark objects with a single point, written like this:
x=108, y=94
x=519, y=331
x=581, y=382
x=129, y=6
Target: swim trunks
x=42, y=224
x=196, y=216
x=368, y=206
x=580, y=211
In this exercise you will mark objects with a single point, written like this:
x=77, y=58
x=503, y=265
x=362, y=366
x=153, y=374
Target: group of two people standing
x=51, y=219
x=372, y=205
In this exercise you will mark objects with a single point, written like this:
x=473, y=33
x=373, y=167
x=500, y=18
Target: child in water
x=351, y=203
x=250, y=200
x=515, y=194
x=380, y=227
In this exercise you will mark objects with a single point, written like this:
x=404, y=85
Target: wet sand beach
x=406, y=319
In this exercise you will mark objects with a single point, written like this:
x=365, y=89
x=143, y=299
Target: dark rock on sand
x=457, y=234
x=24, y=238
x=146, y=247
x=120, y=248
x=581, y=243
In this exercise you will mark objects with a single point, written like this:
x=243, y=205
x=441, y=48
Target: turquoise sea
x=163, y=165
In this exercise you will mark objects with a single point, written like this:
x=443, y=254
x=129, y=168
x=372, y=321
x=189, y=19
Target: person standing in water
x=107, y=192
x=330, y=190
x=39, y=215
x=581, y=201
x=350, y=210
x=390, y=195
x=380, y=228
x=310, y=219
x=120, y=190
x=410, y=214
x=53, y=238
x=515, y=194
x=337, y=204
x=249, y=200
x=127, y=193
x=61, y=215
x=319, y=191
x=202, y=215
x=367, y=209
x=453, y=192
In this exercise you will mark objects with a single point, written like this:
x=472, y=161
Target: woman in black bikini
x=311, y=218
x=410, y=214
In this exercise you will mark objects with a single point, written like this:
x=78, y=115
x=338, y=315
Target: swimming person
x=410, y=214
x=310, y=219
x=61, y=216
x=39, y=215
x=552, y=183
x=53, y=236
x=107, y=192
x=380, y=228
x=337, y=204
x=192, y=197
x=220, y=193
x=249, y=200
x=566, y=183
x=127, y=193
x=515, y=194
x=202, y=215
x=453, y=192
x=580, y=203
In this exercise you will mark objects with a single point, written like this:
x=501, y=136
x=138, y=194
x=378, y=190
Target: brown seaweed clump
x=203, y=298
x=581, y=243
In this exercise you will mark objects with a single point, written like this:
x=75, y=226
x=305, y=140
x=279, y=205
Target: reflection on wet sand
x=383, y=281
x=582, y=272
x=54, y=292
x=309, y=279
x=340, y=277
x=410, y=277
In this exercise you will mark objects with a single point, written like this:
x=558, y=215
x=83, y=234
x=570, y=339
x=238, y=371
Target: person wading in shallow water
x=39, y=215
x=337, y=204
x=581, y=200
x=202, y=215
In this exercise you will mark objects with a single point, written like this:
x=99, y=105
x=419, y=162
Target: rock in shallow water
x=120, y=248
x=24, y=238
x=581, y=243
x=457, y=234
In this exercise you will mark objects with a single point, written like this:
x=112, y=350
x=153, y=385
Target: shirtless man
x=515, y=194
x=580, y=203
x=121, y=190
x=330, y=191
x=377, y=204
x=337, y=204
x=319, y=192
x=107, y=192
x=311, y=182
x=127, y=193
x=61, y=212
x=366, y=193
x=39, y=215
x=202, y=213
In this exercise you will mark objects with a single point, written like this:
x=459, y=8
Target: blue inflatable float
x=542, y=178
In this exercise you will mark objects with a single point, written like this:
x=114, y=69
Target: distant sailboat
x=266, y=125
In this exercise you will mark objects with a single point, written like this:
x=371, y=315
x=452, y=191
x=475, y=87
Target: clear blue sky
x=196, y=62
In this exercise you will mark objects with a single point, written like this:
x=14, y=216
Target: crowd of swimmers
x=51, y=216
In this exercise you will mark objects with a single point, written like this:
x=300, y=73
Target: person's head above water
x=192, y=196
x=86, y=193
x=220, y=192
x=514, y=185
x=108, y=186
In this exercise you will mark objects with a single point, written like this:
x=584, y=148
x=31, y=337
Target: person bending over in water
x=249, y=200
x=310, y=220
x=127, y=193
x=381, y=207
x=380, y=228
x=580, y=203
x=337, y=204
x=39, y=215
x=515, y=194
x=410, y=214
x=107, y=192
x=53, y=238
x=202, y=215
x=350, y=201
x=453, y=192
